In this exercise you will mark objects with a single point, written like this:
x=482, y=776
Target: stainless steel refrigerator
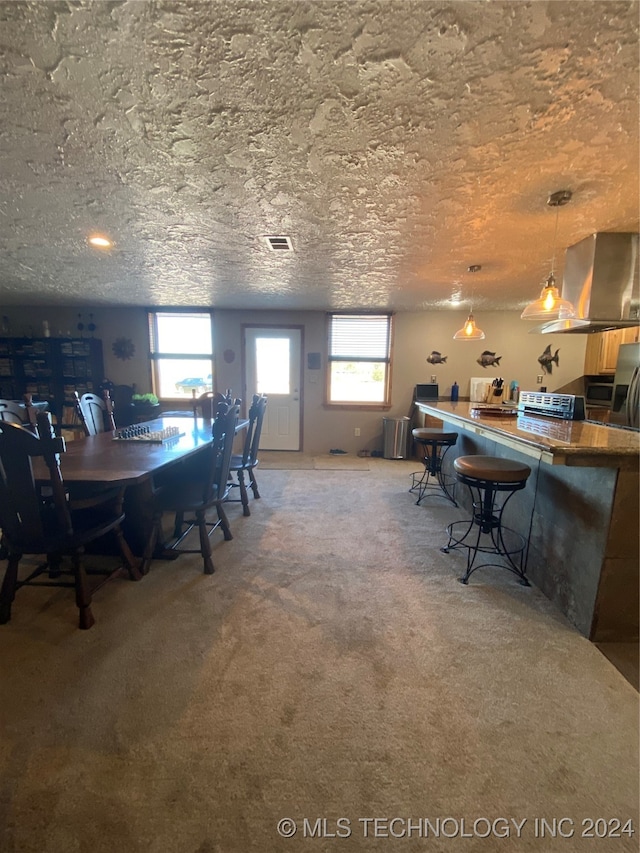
x=625, y=406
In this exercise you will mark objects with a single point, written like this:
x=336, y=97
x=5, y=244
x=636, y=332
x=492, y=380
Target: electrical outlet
x=356, y=431
x=539, y=379
x=434, y=378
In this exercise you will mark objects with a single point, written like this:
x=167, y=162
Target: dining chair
x=204, y=406
x=37, y=521
x=96, y=413
x=193, y=490
x=123, y=408
x=30, y=412
x=248, y=459
x=11, y=412
x=109, y=420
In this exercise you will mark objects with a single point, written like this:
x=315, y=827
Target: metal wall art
x=546, y=360
x=489, y=359
x=123, y=348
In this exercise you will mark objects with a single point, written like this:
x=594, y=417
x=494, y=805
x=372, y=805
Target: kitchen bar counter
x=579, y=511
x=555, y=441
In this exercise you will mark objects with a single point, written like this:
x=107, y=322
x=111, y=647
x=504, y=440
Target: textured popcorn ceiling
x=394, y=142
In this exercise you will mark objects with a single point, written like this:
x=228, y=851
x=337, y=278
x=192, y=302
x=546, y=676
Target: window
x=181, y=344
x=359, y=359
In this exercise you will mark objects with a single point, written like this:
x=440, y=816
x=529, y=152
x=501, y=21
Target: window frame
x=387, y=361
x=156, y=356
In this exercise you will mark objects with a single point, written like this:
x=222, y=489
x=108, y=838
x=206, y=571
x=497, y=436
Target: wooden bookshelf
x=52, y=369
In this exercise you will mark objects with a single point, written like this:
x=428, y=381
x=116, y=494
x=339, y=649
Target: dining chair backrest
x=223, y=433
x=11, y=412
x=109, y=420
x=122, y=397
x=254, y=430
x=30, y=412
x=94, y=414
x=206, y=404
x=21, y=505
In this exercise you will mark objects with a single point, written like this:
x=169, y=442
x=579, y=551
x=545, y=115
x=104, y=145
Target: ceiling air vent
x=279, y=244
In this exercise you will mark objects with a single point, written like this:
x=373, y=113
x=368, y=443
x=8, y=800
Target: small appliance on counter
x=569, y=407
x=598, y=391
x=426, y=393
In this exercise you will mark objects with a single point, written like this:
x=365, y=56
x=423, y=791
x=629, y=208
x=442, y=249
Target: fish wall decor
x=488, y=359
x=436, y=357
x=547, y=360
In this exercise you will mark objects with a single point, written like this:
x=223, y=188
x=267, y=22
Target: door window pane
x=273, y=362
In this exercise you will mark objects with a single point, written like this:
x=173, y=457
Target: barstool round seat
x=439, y=435
x=431, y=480
x=486, y=477
x=492, y=468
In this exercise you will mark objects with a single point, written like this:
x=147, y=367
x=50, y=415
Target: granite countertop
x=556, y=441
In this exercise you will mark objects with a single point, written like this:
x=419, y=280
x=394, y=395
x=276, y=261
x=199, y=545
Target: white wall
x=416, y=335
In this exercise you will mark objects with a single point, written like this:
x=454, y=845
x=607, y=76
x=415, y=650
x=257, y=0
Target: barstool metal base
x=429, y=484
x=490, y=538
x=432, y=481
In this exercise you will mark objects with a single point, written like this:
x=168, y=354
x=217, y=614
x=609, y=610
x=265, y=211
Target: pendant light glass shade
x=550, y=305
x=469, y=332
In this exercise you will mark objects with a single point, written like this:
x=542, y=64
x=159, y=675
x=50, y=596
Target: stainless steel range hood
x=601, y=281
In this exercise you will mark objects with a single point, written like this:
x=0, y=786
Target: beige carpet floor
x=332, y=669
x=280, y=460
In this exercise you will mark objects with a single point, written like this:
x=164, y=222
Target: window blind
x=358, y=336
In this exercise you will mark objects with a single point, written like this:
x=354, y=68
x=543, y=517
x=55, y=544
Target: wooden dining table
x=105, y=459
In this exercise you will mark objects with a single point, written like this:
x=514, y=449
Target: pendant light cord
x=555, y=242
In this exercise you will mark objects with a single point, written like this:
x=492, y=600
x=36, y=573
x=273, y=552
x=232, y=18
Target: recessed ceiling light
x=99, y=241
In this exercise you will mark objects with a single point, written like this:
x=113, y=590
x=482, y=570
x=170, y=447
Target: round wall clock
x=123, y=348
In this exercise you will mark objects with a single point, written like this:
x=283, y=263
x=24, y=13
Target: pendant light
x=470, y=332
x=550, y=305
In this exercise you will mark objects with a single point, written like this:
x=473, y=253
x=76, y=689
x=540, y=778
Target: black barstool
x=486, y=476
x=435, y=444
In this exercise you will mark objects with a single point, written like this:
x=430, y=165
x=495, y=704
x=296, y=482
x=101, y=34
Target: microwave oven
x=598, y=392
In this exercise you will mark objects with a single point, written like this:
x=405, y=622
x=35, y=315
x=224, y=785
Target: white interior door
x=273, y=367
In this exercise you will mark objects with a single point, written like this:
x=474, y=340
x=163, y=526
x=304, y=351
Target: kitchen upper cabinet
x=601, y=355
